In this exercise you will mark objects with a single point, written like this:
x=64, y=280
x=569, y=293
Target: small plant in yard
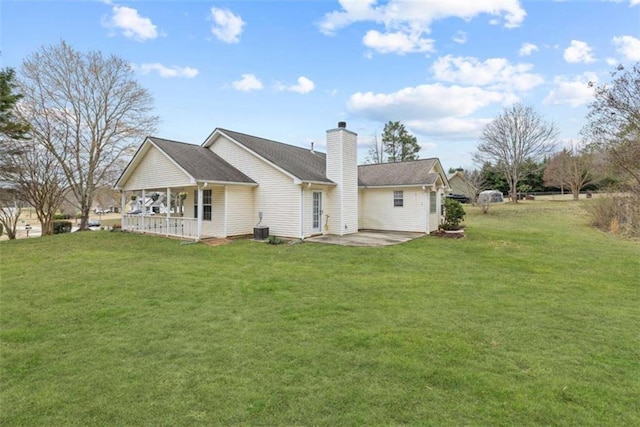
x=453, y=215
x=484, y=201
x=275, y=240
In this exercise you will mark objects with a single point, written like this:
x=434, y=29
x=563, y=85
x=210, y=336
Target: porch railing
x=158, y=224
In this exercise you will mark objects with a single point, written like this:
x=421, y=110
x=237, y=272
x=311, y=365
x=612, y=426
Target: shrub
x=616, y=213
x=274, y=240
x=60, y=227
x=58, y=217
x=453, y=214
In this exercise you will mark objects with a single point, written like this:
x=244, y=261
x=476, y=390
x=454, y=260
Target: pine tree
x=399, y=144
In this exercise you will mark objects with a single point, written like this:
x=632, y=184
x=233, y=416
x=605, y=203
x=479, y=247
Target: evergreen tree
x=10, y=126
x=399, y=144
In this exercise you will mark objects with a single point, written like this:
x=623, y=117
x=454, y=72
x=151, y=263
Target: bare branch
x=517, y=135
x=88, y=111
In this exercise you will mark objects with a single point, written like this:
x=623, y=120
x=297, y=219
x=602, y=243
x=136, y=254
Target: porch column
x=122, y=210
x=144, y=209
x=200, y=212
x=168, y=209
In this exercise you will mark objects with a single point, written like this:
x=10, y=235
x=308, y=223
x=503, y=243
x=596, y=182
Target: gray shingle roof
x=417, y=172
x=201, y=163
x=299, y=162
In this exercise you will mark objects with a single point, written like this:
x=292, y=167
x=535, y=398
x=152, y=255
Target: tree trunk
x=84, y=217
x=47, y=227
x=514, y=192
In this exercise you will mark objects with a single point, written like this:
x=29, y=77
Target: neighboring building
x=459, y=184
x=235, y=182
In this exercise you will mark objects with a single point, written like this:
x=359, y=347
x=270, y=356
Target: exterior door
x=316, y=212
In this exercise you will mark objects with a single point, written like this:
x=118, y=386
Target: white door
x=316, y=213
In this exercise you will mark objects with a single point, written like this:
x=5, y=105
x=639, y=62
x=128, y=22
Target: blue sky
x=290, y=70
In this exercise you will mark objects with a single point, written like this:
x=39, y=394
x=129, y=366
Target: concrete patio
x=367, y=238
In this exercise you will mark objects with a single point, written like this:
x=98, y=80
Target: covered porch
x=197, y=212
x=184, y=191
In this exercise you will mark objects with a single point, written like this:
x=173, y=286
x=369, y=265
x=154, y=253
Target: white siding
x=276, y=196
x=241, y=216
x=155, y=170
x=434, y=218
x=342, y=168
x=216, y=226
x=379, y=213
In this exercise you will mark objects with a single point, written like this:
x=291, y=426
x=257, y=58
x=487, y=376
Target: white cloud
x=450, y=128
x=460, y=37
x=303, y=86
x=634, y=3
x=527, y=49
x=406, y=22
x=578, y=51
x=247, y=83
x=397, y=42
x=227, y=27
x=612, y=61
x=131, y=24
x=628, y=46
x=496, y=73
x=572, y=91
x=433, y=101
x=419, y=14
x=168, y=72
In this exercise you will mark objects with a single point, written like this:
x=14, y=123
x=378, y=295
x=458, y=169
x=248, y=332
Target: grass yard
x=533, y=319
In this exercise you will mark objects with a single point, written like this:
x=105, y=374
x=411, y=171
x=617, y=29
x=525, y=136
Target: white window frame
x=207, y=204
x=398, y=199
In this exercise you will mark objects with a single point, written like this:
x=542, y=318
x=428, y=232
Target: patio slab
x=367, y=238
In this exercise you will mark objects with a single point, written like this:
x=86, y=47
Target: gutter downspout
x=301, y=212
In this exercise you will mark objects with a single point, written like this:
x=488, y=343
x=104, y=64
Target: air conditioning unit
x=260, y=233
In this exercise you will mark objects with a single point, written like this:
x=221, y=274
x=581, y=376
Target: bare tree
x=518, y=134
x=574, y=168
x=614, y=120
x=10, y=210
x=37, y=178
x=12, y=129
x=88, y=111
x=376, y=151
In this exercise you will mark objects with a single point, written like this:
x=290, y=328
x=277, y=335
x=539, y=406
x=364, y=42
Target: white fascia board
x=365, y=187
x=244, y=184
x=133, y=163
x=328, y=184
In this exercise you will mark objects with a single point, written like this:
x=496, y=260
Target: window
x=432, y=202
x=398, y=198
x=206, y=204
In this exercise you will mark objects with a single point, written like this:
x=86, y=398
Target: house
x=234, y=182
x=459, y=184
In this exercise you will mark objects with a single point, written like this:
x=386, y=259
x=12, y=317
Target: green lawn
x=533, y=319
